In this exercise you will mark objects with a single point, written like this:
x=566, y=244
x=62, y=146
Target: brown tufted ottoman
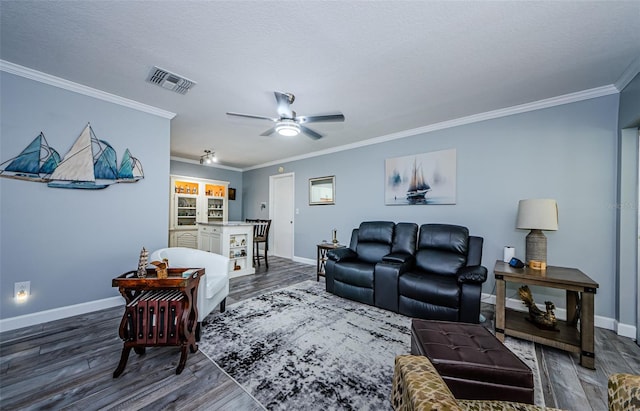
x=473, y=363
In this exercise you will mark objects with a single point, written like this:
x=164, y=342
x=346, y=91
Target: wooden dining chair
x=260, y=235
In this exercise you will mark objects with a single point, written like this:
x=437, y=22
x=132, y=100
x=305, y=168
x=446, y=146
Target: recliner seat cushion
x=355, y=273
x=430, y=288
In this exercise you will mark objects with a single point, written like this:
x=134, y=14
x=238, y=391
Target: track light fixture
x=208, y=157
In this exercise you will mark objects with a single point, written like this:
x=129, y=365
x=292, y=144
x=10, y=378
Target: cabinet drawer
x=210, y=230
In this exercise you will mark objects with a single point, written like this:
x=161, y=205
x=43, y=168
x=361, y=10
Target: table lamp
x=537, y=215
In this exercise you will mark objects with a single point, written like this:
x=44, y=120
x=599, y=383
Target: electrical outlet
x=22, y=290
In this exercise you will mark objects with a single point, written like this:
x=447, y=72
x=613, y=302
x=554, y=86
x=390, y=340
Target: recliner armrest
x=342, y=254
x=399, y=258
x=473, y=274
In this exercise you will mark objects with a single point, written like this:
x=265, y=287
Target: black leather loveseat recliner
x=440, y=280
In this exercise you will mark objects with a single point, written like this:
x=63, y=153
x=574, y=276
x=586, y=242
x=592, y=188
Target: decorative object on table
x=509, y=253
x=89, y=164
x=142, y=263
x=546, y=320
x=161, y=268
x=334, y=236
x=536, y=215
x=428, y=178
x=537, y=265
x=322, y=190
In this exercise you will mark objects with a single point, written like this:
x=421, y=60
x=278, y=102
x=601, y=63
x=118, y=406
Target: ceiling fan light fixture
x=288, y=128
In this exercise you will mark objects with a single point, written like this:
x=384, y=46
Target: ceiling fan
x=288, y=124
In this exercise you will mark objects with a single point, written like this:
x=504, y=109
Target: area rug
x=303, y=348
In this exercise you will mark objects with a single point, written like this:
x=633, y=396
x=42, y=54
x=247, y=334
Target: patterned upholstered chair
x=417, y=386
x=624, y=392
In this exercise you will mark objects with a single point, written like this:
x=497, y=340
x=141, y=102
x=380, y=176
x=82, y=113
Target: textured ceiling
x=389, y=66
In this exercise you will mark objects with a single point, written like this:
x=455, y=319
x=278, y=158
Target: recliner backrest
x=442, y=248
x=375, y=239
x=404, y=239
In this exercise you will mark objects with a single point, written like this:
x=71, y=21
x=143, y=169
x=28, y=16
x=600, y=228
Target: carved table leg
x=183, y=359
x=123, y=361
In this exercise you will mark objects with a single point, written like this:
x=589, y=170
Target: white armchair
x=214, y=285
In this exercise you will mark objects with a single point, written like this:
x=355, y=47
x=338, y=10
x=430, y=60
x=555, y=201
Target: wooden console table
x=580, y=293
x=158, y=312
x=323, y=249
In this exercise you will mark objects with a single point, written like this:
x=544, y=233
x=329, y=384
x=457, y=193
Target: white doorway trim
x=276, y=223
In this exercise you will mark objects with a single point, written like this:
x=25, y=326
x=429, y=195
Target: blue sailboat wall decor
x=35, y=163
x=90, y=163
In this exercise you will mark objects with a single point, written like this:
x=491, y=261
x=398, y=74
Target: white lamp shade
x=537, y=214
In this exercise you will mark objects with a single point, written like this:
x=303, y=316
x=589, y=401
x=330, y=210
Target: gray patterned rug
x=303, y=348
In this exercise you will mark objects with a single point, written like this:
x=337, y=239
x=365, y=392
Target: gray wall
x=214, y=173
x=566, y=152
x=71, y=243
x=627, y=204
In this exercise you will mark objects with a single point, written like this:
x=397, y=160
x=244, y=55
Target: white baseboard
x=599, y=321
x=626, y=330
x=13, y=323
x=304, y=260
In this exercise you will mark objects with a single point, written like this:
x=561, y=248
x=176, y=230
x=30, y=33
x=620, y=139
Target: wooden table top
x=552, y=275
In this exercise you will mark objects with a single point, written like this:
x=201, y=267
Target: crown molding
x=45, y=78
x=489, y=115
x=197, y=162
x=629, y=74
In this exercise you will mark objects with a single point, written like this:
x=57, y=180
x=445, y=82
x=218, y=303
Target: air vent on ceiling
x=170, y=81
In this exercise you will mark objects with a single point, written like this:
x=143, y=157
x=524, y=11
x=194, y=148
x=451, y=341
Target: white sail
x=77, y=164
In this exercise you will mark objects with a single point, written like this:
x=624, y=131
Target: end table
x=159, y=312
x=580, y=292
x=323, y=248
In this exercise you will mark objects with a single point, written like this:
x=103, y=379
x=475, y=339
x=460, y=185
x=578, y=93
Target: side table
x=580, y=293
x=159, y=312
x=323, y=248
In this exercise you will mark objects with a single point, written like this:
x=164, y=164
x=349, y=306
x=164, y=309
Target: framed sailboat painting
x=428, y=178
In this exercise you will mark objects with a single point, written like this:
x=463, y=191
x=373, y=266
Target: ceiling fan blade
x=313, y=134
x=269, y=132
x=284, y=104
x=321, y=118
x=252, y=116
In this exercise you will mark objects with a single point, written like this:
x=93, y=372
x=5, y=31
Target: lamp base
x=536, y=246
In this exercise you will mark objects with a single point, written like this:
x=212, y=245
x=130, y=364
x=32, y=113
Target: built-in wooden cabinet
x=193, y=201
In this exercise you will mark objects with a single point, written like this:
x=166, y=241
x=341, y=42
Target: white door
x=281, y=204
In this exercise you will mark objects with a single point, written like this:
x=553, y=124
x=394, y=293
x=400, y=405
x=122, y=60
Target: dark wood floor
x=68, y=364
